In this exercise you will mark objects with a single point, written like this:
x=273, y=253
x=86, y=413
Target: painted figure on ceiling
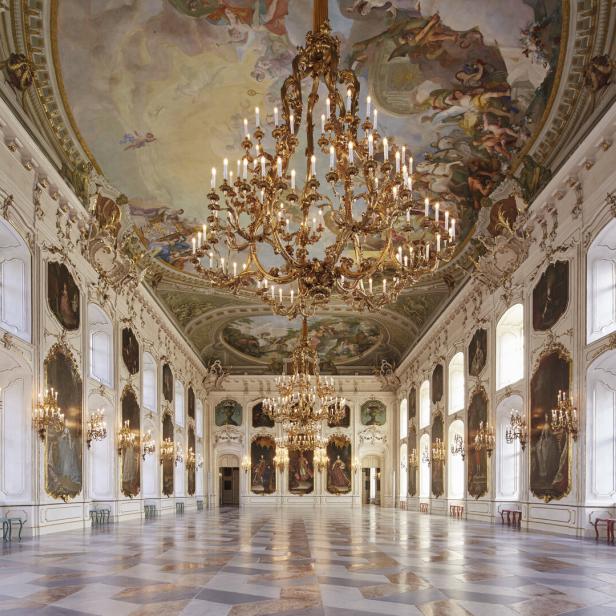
x=136, y=141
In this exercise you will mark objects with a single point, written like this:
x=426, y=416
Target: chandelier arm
x=313, y=98
x=265, y=273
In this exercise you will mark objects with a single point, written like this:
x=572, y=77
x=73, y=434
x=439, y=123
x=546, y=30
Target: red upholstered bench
x=456, y=511
x=513, y=517
x=609, y=525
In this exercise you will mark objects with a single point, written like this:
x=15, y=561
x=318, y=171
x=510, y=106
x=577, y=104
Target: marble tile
x=336, y=562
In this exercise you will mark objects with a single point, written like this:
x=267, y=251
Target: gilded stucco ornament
x=387, y=376
x=504, y=253
x=608, y=345
x=7, y=203
x=611, y=200
x=228, y=434
x=215, y=376
x=19, y=72
x=372, y=435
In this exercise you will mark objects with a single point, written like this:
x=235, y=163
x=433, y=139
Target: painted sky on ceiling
x=159, y=88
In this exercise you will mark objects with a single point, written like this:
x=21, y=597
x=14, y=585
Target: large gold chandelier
x=352, y=227
x=298, y=436
x=305, y=398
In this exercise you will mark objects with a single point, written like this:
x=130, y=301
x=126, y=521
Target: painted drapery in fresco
x=168, y=464
x=551, y=295
x=131, y=455
x=63, y=295
x=437, y=383
x=263, y=470
x=63, y=448
x=167, y=383
x=477, y=352
x=550, y=454
x=130, y=350
x=192, y=444
x=339, y=466
x=412, y=472
x=437, y=467
x=477, y=461
x=301, y=472
x=260, y=419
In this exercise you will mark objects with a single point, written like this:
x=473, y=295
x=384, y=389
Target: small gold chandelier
x=246, y=463
x=413, y=459
x=354, y=228
x=564, y=416
x=193, y=461
x=47, y=414
x=126, y=437
x=321, y=461
x=457, y=447
x=167, y=451
x=439, y=452
x=281, y=459
x=485, y=439
x=97, y=428
x=149, y=446
x=517, y=429
x=305, y=397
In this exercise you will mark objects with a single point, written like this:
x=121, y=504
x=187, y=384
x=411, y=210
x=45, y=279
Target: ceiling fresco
x=154, y=92
x=248, y=339
x=158, y=89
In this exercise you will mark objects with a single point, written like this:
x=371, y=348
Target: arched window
x=424, y=469
x=15, y=283
x=510, y=347
x=424, y=404
x=601, y=433
x=101, y=345
x=199, y=420
x=179, y=403
x=404, y=418
x=455, y=377
x=150, y=382
x=601, y=284
x=455, y=468
x=404, y=481
x=508, y=455
x=16, y=436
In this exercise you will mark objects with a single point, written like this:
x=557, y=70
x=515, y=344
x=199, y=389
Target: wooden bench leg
x=596, y=525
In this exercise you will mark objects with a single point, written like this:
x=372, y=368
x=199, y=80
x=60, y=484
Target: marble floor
x=307, y=562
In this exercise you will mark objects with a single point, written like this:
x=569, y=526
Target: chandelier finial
x=319, y=14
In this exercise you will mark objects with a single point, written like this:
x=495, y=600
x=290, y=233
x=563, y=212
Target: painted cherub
x=136, y=140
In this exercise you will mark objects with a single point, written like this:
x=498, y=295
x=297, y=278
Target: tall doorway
x=229, y=488
x=228, y=480
x=371, y=481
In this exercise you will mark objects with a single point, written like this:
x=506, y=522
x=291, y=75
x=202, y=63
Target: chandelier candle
x=363, y=199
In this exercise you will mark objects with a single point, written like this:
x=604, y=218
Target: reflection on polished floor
x=307, y=562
